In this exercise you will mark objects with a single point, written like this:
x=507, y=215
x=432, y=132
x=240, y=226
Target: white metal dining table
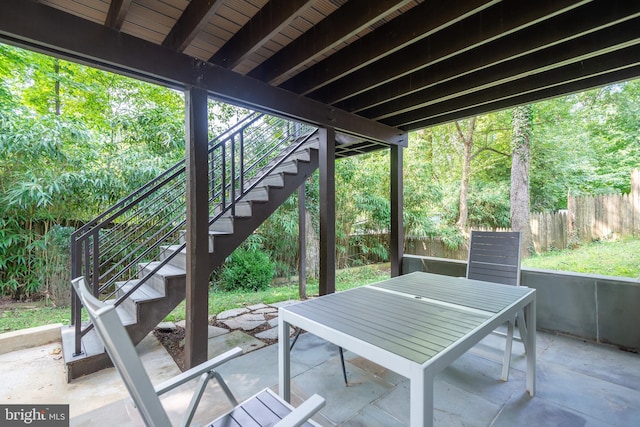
x=415, y=325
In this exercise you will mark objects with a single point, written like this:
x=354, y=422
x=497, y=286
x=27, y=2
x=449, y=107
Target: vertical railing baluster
x=242, y=162
x=96, y=263
x=75, y=272
x=76, y=305
x=233, y=175
x=212, y=170
x=223, y=189
x=87, y=259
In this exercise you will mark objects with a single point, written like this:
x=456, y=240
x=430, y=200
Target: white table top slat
x=456, y=290
x=403, y=316
x=390, y=323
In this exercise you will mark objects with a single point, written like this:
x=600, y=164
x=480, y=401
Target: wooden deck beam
x=197, y=264
x=327, y=211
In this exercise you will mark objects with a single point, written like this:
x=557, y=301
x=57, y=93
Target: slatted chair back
x=123, y=354
x=494, y=256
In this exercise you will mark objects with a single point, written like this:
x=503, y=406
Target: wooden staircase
x=165, y=289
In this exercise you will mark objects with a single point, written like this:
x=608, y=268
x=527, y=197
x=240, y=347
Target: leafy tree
x=73, y=140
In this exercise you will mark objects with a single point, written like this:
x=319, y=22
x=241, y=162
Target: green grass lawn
x=28, y=315
x=611, y=258
x=20, y=316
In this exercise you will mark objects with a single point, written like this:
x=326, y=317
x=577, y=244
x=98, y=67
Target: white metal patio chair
x=263, y=409
x=494, y=256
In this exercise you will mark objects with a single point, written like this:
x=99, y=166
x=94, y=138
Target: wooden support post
x=302, y=242
x=197, y=264
x=397, y=203
x=327, y=158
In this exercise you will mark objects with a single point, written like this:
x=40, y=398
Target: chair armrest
x=196, y=371
x=302, y=413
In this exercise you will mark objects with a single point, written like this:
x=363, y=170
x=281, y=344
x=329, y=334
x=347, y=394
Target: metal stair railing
x=112, y=249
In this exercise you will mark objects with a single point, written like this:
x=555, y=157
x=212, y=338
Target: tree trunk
x=467, y=143
x=313, y=248
x=521, y=156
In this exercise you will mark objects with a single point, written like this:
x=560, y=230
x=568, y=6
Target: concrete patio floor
x=578, y=384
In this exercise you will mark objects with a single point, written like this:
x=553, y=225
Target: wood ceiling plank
x=238, y=17
x=262, y=28
x=174, y=8
x=151, y=19
x=194, y=17
x=93, y=10
x=331, y=31
x=197, y=51
x=221, y=26
x=133, y=29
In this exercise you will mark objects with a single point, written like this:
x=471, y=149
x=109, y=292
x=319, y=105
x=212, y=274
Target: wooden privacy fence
x=587, y=218
x=611, y=215
x=549, y=230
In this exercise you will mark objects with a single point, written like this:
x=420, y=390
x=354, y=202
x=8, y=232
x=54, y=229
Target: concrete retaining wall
x=598, y=308
x=32, y=337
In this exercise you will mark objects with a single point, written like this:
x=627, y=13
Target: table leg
x=284, y=359
x=530, y=323
x=421, y=399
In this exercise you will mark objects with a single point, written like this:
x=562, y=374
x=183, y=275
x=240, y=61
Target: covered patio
x=365, y=73
x=579, y=384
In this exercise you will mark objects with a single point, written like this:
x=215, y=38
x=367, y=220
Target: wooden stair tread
x=143, y=293
x=166, y=270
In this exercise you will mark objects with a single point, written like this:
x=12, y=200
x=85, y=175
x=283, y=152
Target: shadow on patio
x=579, y=383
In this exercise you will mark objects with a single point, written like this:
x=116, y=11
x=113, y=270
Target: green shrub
x=248, y=269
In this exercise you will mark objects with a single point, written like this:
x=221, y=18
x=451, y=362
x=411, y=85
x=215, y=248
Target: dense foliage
x=73, y=140
x=248, y=269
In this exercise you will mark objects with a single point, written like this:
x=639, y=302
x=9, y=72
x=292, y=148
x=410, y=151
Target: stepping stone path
x=250, y=318
x=249, y=328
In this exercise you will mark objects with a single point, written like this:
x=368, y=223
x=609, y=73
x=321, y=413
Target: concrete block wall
x=597, y=308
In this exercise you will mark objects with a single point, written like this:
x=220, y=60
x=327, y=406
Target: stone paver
x=246, y=319
x=222, y=343
x=215, y=331
x=231, y=313
x=246, y=322
x=269, y=334
x=166, y=326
